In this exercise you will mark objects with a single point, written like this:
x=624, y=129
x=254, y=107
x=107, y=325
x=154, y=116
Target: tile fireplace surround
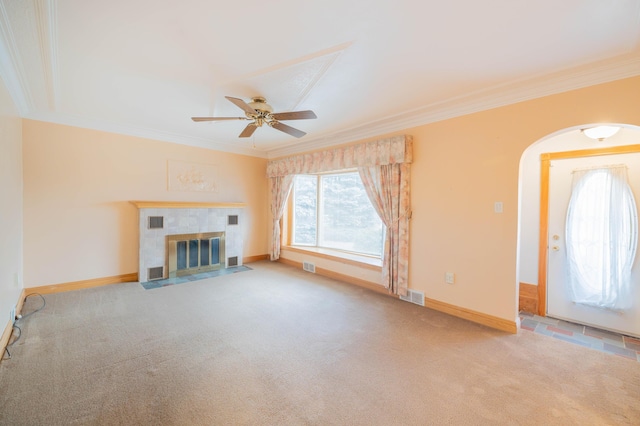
x=185, y=218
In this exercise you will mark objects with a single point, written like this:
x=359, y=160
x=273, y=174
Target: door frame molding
x=543, y=244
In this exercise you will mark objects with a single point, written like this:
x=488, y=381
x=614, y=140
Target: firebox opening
x=195, y=253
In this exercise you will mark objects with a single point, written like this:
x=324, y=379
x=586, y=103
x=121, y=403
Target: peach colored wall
x=465, y=164
x=11, y=228
x=78, y=221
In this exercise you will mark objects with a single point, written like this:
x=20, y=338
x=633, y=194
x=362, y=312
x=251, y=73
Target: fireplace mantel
x=185, y=205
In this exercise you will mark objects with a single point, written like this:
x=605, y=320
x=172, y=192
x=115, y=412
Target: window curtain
x=601, y=234
x=279, y=186
x=396, y=151
x=388, y=188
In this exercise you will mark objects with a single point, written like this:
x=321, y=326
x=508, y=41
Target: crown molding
x=11, y=65
x=34, y=21
x=142, y=132
x=47, y=31
x=500, y=95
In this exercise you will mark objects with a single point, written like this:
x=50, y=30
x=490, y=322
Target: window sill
x=362, y=261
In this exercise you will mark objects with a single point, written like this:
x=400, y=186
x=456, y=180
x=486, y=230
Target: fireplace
x=195, y=253
x=180, y=238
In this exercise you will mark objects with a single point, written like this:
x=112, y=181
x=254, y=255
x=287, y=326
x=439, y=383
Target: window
x=333, y=211
x=602, y=230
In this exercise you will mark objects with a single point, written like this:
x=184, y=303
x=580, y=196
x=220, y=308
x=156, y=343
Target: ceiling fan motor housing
x=260, y=104
x=260, y=112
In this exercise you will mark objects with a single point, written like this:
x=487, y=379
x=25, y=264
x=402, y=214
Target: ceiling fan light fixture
x=260, y=104
x=600, y=133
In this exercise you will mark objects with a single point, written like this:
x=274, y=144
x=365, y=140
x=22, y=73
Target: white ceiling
x=144, y=67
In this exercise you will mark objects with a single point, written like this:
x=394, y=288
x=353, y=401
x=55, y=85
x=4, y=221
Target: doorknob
x=555, y=248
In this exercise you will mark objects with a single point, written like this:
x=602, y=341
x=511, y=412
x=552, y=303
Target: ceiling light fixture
x=600, y=132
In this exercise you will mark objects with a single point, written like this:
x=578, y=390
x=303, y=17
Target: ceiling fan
x=260, y=112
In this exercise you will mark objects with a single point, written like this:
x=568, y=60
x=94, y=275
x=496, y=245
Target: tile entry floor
x=593, y=338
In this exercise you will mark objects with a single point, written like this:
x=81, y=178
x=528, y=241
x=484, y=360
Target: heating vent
x=232, y=261
x=309, y=267
x=232, y=219
x=156, y=222
x=156, y=273
x=414, y=296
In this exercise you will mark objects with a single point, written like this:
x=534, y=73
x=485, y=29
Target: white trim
x=46, y=24
x=11, y=66
x=501, y=95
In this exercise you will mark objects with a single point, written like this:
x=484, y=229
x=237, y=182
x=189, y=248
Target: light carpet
x=279, y=346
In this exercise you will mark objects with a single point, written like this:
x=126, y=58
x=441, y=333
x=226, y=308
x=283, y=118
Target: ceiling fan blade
x=287, y=129
x=242, y=105
x=294, y=115
x=218, y=118
x=248, y=131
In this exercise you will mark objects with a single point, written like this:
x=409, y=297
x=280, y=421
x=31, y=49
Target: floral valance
x=397, y=149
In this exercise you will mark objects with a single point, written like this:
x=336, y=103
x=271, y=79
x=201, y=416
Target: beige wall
x=78, y=221
x=465, y=164
x=10, y=206
x=77, y=184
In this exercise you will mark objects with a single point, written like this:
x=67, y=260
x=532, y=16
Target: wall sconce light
x=600, y=133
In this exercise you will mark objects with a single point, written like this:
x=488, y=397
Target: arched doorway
x=534, y=214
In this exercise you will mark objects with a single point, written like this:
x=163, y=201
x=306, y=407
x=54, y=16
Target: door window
x=602, y=234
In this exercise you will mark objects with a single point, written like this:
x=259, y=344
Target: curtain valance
x=394, y=150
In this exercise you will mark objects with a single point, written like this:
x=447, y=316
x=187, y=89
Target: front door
x=561, y=299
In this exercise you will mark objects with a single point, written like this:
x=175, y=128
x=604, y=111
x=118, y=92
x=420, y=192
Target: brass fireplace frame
x=172, y=253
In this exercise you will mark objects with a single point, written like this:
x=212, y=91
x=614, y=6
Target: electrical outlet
x=12, y=314
x=449, y=277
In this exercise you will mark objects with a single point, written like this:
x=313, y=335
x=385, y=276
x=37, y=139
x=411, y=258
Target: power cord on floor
x=21, y=317
x=6, y=349
x=17, y=338
x=44, y=303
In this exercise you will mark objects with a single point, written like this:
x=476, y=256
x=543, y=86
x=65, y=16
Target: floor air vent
x=414, y=296
x=232, y=261
x=309, y=267
x=155, y=273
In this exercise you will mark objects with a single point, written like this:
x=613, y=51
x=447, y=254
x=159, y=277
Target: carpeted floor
x=279, y=346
